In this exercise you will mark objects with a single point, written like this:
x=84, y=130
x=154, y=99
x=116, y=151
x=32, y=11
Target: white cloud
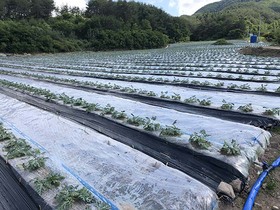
x=71, y=3
x=172, y=3
x=188, y=7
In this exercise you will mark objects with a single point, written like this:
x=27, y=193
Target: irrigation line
x=208, y=170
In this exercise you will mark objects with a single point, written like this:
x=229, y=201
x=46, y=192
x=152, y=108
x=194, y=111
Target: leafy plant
x=52, y=180
x=136, y=120
x=17, y=148
x=4, y=135
x=227, y=105
x=70, y=194
x=245, y=87
x=164, y=95
x=108, y=110
x=246, y=108
x=171, y=130
x=35, y=163
x=150, y=125
x=205, y=102
x=198, y=140
x=119, y=115
x=262, y=88
x=272, y=112
x=230, y=149
x=176, y=97
x=191, y=100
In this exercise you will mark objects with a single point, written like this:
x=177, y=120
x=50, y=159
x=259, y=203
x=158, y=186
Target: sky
x=173, y=7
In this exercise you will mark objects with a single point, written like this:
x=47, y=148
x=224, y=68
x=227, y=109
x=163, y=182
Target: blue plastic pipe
x=255, y=189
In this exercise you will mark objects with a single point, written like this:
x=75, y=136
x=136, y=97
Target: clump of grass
x=198, y=140
x=230, y=149
x=52, y=180
x=172, y=130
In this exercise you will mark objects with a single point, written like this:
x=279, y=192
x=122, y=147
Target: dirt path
x=269, y=195
x=271, y=51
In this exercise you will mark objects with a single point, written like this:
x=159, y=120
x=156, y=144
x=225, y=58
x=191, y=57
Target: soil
x=271, y=51
x=269, y=195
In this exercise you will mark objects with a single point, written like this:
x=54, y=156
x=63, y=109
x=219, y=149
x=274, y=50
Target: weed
x=171, y=130
x=198, y=140
x=230, y=149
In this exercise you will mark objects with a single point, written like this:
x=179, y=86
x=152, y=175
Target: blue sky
x=173, y=7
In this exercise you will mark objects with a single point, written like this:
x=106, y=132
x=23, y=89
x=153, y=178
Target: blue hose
x=255, y=189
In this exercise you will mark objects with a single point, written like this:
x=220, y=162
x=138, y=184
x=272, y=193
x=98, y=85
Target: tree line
x=28, y=26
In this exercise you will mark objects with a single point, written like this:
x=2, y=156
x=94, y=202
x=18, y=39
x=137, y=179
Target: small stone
x=226, y=189
x=275, y=208
x=236, y=185
x=258, y=206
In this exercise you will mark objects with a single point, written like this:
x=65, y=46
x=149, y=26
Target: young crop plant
x=227, y=105
x=232, y=86
x=172, y=130
x=277, y=90
x=35, y=163
x=150, y=124
x=70, y=194
x=245, y=87
x=164, y=95
x=262, y=88
x=205, y=102
x=17, y=148
x=108, y=109
x=199, y=140
x=272, y=112
x=92, y=107
x=136, y=120
x=230, y=149
x=119, y=115
x=246, y=108
x=191, y=100
x=52, y=180
x=176, y=97
x=151, y=93
x=4, y=135
x=219, y=84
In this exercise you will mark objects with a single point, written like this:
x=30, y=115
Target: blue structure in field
x=254, y=39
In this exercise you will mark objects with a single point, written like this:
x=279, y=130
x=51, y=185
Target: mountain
x=272, y=5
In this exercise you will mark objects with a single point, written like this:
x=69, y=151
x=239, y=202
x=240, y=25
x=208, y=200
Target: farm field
x=146, y=129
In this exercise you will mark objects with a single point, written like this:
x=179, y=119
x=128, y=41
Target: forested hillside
x=235, y=19
x=28, y=26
